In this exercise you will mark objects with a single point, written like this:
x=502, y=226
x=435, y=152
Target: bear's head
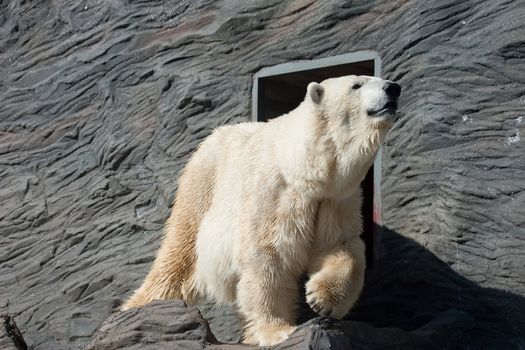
x=352, y=116
x=355, y=102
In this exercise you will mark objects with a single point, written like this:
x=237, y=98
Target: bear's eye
x=356, y=86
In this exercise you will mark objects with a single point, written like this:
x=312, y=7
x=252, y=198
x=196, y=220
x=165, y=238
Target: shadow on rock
x=414, y=291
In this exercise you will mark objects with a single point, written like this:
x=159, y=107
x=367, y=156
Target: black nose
x=392, y=89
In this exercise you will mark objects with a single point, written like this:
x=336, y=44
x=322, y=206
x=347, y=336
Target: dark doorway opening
x=279, y=89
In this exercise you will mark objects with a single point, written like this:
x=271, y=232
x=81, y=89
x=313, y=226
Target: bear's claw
x=319, y=307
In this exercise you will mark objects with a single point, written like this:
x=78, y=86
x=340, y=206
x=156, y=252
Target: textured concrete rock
x=101, y=102
x=10, y=336
x=224, y=322
x=160, y=325
x=172, y=325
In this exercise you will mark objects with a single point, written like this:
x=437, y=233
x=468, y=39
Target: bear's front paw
x=268, y=335
x=326, y=298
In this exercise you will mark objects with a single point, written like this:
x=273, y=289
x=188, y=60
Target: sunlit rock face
x=102, y=102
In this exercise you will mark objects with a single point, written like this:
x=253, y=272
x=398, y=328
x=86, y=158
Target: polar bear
x=261, y=204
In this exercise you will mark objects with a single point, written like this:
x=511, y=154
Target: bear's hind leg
x=170, y=277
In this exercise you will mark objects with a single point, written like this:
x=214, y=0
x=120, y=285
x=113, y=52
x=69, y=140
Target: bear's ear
x=315, y=92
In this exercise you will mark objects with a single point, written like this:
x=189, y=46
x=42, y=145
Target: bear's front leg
x=336, y=279
x=267, y=297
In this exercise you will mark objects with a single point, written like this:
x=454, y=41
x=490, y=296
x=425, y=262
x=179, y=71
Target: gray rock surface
x=101, y=102
x=172, y=325
x=10, y=336
x=159, y=325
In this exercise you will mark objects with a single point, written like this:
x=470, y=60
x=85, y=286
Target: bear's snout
x=392, y=89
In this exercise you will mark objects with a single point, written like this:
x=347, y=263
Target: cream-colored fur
x=259, y=204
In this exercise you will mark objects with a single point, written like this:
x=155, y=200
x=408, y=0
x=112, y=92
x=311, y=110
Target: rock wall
x=101, y=102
